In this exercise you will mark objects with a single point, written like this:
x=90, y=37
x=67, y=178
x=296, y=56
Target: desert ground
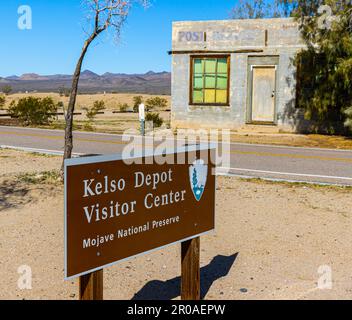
x=112, y=121
x=111, y=100
x=270, y=242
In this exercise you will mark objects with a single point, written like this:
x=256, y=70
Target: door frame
x=261, y=61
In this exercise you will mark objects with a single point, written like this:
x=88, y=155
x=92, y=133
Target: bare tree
x=259, y=9
x=103, y=15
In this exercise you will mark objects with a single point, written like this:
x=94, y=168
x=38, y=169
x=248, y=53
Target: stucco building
x=234, y=73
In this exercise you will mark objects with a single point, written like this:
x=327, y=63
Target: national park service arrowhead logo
x=198, y=173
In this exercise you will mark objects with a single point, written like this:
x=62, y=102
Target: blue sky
x=55, y=41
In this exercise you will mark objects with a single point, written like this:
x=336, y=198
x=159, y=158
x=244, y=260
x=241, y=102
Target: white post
x=142, y=118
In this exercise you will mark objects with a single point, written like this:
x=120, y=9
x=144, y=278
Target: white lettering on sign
x=98, y=241
x=152, y=179
x=92, y=189
x=96, y=213
x=150, y=225
x=152, y=201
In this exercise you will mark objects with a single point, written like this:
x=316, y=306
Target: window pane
x=222, y=81
x=209, y=96
x=210, y=66
x=221, y=96
x=198, y=65
x=222, y=65
x=210, y=81
x=198, y=96
x=198, y=81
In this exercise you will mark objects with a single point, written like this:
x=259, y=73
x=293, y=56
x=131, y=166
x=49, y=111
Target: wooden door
x=263, y=94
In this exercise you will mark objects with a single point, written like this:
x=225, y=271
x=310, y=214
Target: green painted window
x=210, y=81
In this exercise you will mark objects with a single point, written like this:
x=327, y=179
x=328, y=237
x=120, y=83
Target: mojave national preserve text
x=131, y=231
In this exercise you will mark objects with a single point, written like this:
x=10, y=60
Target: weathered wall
x=263, y=38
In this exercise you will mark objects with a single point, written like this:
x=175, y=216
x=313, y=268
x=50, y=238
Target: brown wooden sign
x=116, y=210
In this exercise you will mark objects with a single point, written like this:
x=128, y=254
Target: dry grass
x=86, y=100
x=108, y=123
x=291, y=184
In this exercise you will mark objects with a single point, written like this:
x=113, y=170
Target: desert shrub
x=87, y=126
x=46, y=177
x=61, y=105
x=156, y=103
x=2, y=101
x=6, y=89
x=92, y=112
x=136, y=102
x=123, y=107
x=155, y=118
x=99, y=105
x=34, y=111
x=348, y=122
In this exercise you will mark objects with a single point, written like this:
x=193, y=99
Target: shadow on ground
x=218, y=268
x=13, y=195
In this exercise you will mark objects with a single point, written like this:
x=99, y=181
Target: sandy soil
x=14, y=163
x=269, y=243
x=108, y=122
x=115, y=123
x=87, y=100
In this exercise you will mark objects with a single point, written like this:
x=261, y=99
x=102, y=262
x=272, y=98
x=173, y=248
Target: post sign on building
x=116, y=210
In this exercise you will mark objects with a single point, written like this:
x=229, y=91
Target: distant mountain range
x=90, y=82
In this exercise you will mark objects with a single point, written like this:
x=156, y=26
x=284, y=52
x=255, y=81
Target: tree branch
x=107, y=13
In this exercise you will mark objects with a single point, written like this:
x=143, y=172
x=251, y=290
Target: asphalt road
x=248, y=160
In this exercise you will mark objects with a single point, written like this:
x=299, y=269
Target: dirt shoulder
x=295, y=140
x=271, y=241
x=16, y=162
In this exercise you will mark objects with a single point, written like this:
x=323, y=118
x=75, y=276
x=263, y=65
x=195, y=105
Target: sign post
x=190, y=269
x=91, y=286
x=116, y=209
x=142, y=118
